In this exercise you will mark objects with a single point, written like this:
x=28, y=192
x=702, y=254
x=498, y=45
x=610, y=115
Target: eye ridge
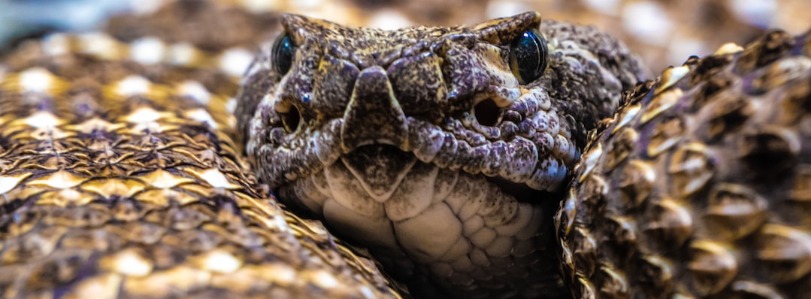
x=528, y=55
x=283, y=52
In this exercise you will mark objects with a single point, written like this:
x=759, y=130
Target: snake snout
x=373, y=114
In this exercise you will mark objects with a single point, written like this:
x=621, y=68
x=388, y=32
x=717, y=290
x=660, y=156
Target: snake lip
x=381, y=166
x=372, y=142
x=519, y=191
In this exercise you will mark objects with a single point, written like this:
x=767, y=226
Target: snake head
x=441, y=149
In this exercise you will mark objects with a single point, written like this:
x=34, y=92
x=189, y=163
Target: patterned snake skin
x=700, y=186
x=122, y=171
x=118, y=178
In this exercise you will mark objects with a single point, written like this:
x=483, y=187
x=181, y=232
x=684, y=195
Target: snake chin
x=419, y=218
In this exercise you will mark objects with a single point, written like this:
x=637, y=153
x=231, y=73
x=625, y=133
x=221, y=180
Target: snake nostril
x=487, y=112
x=291, y=119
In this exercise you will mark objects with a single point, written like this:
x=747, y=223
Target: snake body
x=434, y=148
x=699, y=185
x=119, y=179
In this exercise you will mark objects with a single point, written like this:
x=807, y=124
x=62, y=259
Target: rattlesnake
x=123, y=180
x=439, y=149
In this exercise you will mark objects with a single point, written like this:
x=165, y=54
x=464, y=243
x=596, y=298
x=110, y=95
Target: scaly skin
x=700, y=186
x=389, y=153
x=118, y=179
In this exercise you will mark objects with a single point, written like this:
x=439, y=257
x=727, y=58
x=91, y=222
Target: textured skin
x=114, y=186
x=209, y=25
x=389, y=153
x=699, y=186
x=118, y=178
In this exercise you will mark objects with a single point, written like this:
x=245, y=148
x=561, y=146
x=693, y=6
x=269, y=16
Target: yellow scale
x=133, y=187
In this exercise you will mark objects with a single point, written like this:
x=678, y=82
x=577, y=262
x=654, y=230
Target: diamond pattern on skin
x=142, y=193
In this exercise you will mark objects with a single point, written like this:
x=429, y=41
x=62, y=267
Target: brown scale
x=115, y=189
x=94, y=198
x=194, y=21
x=701, y=184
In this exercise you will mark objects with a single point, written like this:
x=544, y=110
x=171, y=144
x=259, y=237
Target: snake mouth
x=380, y=173
x=381, y=168
x=519, y=191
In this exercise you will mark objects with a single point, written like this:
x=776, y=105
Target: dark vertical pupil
x=283, y=51
x=528, y=57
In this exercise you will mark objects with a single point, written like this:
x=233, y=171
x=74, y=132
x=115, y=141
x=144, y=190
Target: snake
x=426, y=162
x=438, y=149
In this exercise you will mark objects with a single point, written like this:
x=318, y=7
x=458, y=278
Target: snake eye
x=528, y=56
x=283, y=52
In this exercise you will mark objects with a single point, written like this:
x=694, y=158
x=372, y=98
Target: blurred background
x=664, y=32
